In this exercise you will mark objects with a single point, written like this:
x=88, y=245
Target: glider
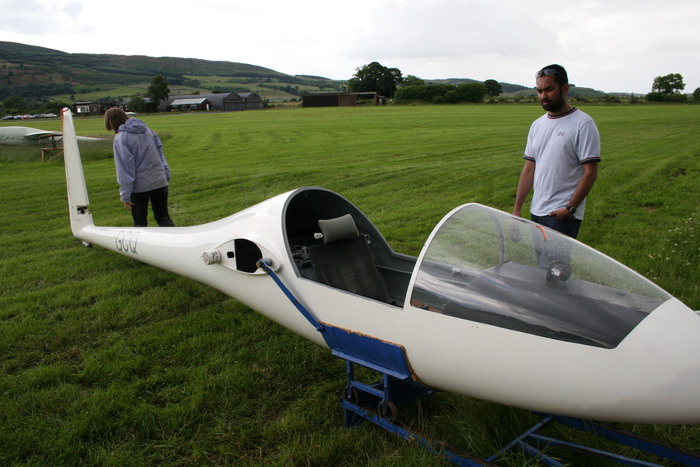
x=494, y=307
x=17, y=135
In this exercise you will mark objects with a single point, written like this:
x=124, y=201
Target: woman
x=142, y=171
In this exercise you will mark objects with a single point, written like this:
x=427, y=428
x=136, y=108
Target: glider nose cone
x=664, y=362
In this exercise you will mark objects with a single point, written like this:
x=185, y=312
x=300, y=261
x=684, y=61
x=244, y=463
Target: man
x=561, y=157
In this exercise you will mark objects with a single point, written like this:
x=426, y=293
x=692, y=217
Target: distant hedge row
x=441, y=93
x=661, y=97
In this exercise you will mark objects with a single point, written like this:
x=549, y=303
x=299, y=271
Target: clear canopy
x=486, y=266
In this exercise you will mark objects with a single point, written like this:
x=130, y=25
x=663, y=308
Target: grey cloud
x=37, y=18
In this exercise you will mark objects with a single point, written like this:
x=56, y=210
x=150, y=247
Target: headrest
x=338, y=228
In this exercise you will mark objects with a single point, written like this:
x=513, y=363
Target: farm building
x=190, y=104
x=225, y=101
x=342, y=99
x=90, y=108
x=252, y=101
x=229, y=101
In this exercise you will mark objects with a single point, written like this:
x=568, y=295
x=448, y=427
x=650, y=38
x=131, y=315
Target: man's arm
x=585, y=183
x=527, y=177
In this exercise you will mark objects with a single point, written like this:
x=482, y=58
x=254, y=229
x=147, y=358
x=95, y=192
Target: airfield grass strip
x=107, y=361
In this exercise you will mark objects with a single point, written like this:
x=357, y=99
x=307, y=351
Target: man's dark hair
x=557, y=71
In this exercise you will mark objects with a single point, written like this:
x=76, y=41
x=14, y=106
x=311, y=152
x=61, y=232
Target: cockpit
x=332, y=242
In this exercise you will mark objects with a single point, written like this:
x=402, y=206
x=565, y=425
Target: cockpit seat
x=344, y=260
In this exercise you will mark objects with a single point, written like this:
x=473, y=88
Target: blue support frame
x=379, y=403
x=622, y=437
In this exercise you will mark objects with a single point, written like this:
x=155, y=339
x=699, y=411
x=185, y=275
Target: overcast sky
x=613, y=45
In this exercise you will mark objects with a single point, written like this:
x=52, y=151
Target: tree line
x=35, y=92
x=390, y=82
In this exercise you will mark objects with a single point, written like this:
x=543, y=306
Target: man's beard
x=553, y=106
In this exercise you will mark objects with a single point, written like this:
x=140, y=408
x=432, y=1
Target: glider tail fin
x=78, y=202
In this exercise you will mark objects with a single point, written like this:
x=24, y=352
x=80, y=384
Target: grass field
x=106, y=361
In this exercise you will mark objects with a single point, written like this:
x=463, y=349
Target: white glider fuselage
x=627, y=353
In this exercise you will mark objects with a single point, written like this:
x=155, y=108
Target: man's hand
x=562, y=214
x=128, y=205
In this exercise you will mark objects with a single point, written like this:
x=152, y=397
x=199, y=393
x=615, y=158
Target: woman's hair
x=114, y=118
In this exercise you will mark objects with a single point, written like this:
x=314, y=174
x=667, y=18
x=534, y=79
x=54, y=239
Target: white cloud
x=40, y=17
x=449, y=28
x=616, y=45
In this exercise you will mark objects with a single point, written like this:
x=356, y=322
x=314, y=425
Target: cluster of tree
x=668, y=88
x=16, y=105
x=441, y=93
x=493, y=88
x=36, y=92
x=389, y=82
x=137, y=104
x=158, y=90
x=375, y=77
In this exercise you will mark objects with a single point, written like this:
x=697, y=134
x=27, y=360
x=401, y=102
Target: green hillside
x=39, y=74
x=91, y=69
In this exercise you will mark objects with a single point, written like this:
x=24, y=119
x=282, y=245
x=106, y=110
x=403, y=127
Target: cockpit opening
x=332, y=242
